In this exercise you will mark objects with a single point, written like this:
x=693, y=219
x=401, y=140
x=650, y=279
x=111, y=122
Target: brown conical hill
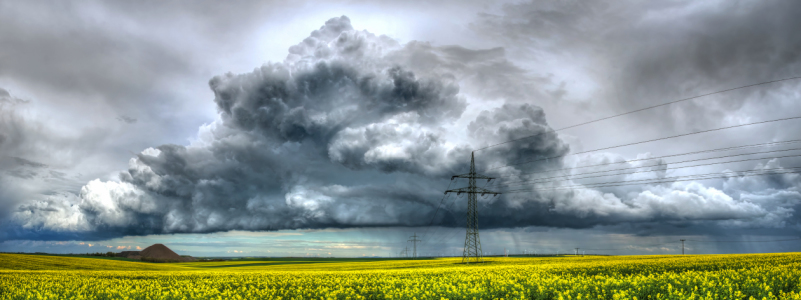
x=161, y=252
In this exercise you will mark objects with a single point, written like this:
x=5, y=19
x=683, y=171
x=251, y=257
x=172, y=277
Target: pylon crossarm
x=475, y=190
x=476, y=176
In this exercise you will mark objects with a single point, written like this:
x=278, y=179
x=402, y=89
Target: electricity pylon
x=414, y=240
x=472, y=243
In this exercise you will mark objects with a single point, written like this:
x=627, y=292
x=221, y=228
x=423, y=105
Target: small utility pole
x=682, y=247
x=577, y=251
x=414, y=240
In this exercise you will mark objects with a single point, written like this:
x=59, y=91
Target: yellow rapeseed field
x=752, y=276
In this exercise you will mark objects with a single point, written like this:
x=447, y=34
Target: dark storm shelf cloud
x=341, y=102
x=355, y=129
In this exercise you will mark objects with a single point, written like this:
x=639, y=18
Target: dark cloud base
x=357, y=130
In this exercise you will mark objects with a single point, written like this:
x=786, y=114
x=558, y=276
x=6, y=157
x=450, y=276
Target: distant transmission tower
x=414, y=240
x=472, y=243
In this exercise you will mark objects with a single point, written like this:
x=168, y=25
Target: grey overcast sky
x=332, y=128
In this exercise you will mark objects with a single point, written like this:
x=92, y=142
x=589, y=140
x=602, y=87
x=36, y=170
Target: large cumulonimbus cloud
x=358, y=130
x=342, y=133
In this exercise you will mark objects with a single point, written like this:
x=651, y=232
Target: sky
x=332, y=128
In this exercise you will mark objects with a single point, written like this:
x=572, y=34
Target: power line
x=571, y=176
x=459, y=223
x=648, y=141
x=642, y=109
x=566, y=177
x=795, y=239
x=668, y=179
x=432, y=219
x=696, y=241
x=664, y=156
x=447, y=195
x=425, y=238
x=630, y=247
x=678, y=178
x=707, y=176
x=437, y=211
x=447, y=236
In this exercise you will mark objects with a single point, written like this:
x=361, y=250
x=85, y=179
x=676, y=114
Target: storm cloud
x=358, y=129
x=340, y=134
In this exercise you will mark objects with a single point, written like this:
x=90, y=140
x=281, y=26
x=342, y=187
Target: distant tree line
x=107, y=254
x=159, y=260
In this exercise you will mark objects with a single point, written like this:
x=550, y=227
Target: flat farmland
x=761, y=276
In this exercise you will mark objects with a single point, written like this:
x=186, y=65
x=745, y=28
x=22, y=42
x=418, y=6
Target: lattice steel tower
x=414, y=240
x=472, y=243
